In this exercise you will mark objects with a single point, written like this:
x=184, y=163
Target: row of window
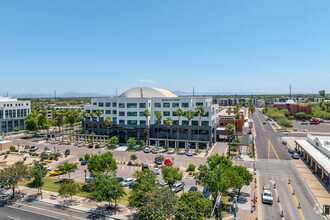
x=175, y=122
x=11, y=105
x=143, y=105
x=13, y=113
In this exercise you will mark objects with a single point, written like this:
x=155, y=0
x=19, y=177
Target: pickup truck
x=267, y=196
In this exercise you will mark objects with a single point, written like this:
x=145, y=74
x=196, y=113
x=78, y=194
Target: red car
x=168, y=162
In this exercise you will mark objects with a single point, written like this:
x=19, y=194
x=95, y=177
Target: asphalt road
x=274, y=165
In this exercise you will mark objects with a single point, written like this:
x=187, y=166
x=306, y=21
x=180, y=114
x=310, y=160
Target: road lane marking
x=295, y=198
x=268, y=149
x=262, y=125
x=274, y=149
x=24, y=210
x=14, y=218
x=279, y=203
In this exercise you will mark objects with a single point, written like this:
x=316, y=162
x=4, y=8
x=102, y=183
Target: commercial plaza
x=126, y=112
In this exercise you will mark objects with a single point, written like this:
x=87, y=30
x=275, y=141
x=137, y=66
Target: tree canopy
x=103, y=163
x=171, y=174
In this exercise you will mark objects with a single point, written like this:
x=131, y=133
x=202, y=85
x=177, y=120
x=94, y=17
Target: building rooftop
x=7, y=99
x=223, y=112
x=147, y=92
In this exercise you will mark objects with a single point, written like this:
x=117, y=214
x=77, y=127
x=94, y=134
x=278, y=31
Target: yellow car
x=56, y=172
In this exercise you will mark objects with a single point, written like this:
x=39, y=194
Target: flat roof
x=317, y=155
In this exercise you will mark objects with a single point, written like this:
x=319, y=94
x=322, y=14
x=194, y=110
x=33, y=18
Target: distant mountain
x=59, y=95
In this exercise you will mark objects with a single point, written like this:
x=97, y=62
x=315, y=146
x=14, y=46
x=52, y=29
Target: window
x=114, y=112
x=101, y=104
x=141, y=114
x=206, y=114
x=199, y=103
x=158, y=122
x=174, y=114
x=88, y=111
x=121, y=113
x=131, y=113
x=166, y=105
x=185, y=105
x=121, y=105
x=205, y=123
x=143, y=105
x=185, y=122
x=142, y=122
x=121, y=122
x=107, y=104
x=194, y=122
x=131, y=105
x=175, y=122
x=166, y=113
x=94, y=103
x=114, y=104
x=132, y=122
x=107, y=112
x=175, y=105
x=157, y=105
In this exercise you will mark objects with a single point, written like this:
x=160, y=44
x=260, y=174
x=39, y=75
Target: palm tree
x=108, y=122
x=230, y=130
x=237, y=116
x=54, y=116
x=229, y=111
x=98, y=113
x=235, y=111
x=201, y=112
x=159, y=120
x=189, y=115
x=179, y=112
x=92, y=115
x=60, y=121
x=146, y=113
x=168, y=122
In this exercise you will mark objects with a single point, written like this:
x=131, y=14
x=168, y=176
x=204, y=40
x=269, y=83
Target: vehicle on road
x=156, y=171
x=267, y=196
x=57, y=172
x=178, y=186
x=206, y=192
x=90, y=146
x=120, y=179
x=189, y=153
x=84, y=162
x=146, y=150
x=49, y=150
x=49, y=168
x=145, y=166
x=90, y=177
x=67, y=152
x=79, y=145
x=304, y=123
x=305, y=130
x=264, y=123
x=127, y=181
x=33, y=148
x=284, y=142
x=295, y=156
x=291, y=151
x=170, y=152
x=168, y=162
x=193, y=189
x=154, y=151
x=314, y=122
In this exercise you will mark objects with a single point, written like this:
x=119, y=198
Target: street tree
x=240, y=176
x=113, y=141
x=146, y=113
x=179, y=112
x=35, y=174
x=201, y=112
x=100, y=164
x=189, y=115
x=131, y=142
x=68, y=167
x=171, y=174
x=69, y=188
x=230, y=131
x=193, y=206
x=168, y=122
x=159, y=117
x=108, y=122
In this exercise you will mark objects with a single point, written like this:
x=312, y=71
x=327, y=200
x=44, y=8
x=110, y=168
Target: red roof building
x=293, y=107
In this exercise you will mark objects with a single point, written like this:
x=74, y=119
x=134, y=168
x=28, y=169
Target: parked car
x=56, y=172
x=120, y=179
x=49, y=150
x=163, y=183
x=146, y=150
x=304, y=123
x=90, y=177
x=49, y=168
x=284, y=142
x=156, y=171
x=264, y=123
x=90, y=146
x=84, y=162
x=295, y=156
x=154, y=151
x=79, y=144
x=127, y=181
x=178, y=186
x=305, y=130
x=170, y=152
x=314, y=122
x=67, y=152
x=206, y=192
x=158, y=161
x=97, y=146
x=145, y=166
x=168, y=162
x=33, y=148
x=189, y=153
x=193, y=189
x=291, y=151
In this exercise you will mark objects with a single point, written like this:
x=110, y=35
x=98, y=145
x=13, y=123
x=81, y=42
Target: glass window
x=114, y=104
x=199, y=103
x=114, y=112
x=166, y=105
x=196, y=114
x=142, y=122
x=166, y=113
x=101, y=104
x=175, y=105
x=175, y=122
x=121, y=113
x=205, y=123
x=157, y=105
x=194, y=122
x=88, y=111
x=206, y=114
x=141, y=114
x=174, y=114
x=121, y=122
x=107, y=112
x=185, y=105
x=107, y=104
x=95, y=103
x=185, y=122
x=121, y=105
x=131, y=113
x=131, y=105
x=132, y=122
x=142, y=105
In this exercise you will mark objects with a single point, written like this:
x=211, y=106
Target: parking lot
x=322, y=127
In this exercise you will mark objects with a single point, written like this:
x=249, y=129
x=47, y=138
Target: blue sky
x=225, y=47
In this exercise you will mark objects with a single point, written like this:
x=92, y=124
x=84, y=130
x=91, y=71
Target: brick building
x=293, y=107
x=225, y=118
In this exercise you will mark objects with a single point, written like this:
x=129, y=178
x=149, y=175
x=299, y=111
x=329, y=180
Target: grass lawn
x=53, y=184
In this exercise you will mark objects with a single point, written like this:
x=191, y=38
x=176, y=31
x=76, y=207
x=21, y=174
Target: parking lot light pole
x=35, y=162
x=85, y=175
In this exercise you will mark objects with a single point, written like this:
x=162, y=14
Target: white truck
x=267, y=196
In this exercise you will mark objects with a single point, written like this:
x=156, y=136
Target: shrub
x=291, y=117
x=81, y=158
x=43, y=156
x=191, y=167
x=26, y=147
x=87, y=156
x=12, y=148
x=129, y=163
x=133, y=157
x=142, y=143
x=7, y=152
x=56, y=158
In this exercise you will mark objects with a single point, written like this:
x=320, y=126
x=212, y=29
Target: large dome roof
x=147, y=92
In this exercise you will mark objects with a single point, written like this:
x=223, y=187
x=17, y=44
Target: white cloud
x=147, y=81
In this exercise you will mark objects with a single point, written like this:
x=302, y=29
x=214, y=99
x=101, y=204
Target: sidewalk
x=219, y=148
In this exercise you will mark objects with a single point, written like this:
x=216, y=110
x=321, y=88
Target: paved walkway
x=219, y=148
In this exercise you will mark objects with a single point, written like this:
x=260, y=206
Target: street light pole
x=85, y=175
x=40, y=177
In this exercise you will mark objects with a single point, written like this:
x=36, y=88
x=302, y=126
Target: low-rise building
x=294, y=107
x=225, y=118
x=63, y=107
x=13, y=114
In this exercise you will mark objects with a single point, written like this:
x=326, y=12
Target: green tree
x=322, y=93
x=171, y=174
x=241, y=177
x=92, y=116
x=103, y=163
x=146, y=113
x=12, y=148
x=69, y=188
x=189, y=115
x=108, y=122
x=301, y=115
x=168, y=122
x=145, y=182
x=35, y=174
x=201, y=112
x=159, y=203
x=68, y=167
x=159, y=117
x=106, y=188
x=10, y=176
x=133, y=157
x=193, y=206
x=179, y=112
x=230, y=131
x=31, y=124
x=131, y=142
x=285, y=112
x=113, y=141
x=87, y=156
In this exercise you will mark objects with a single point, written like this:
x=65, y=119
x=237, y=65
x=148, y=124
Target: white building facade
x=13, y=114
x=126, y=112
